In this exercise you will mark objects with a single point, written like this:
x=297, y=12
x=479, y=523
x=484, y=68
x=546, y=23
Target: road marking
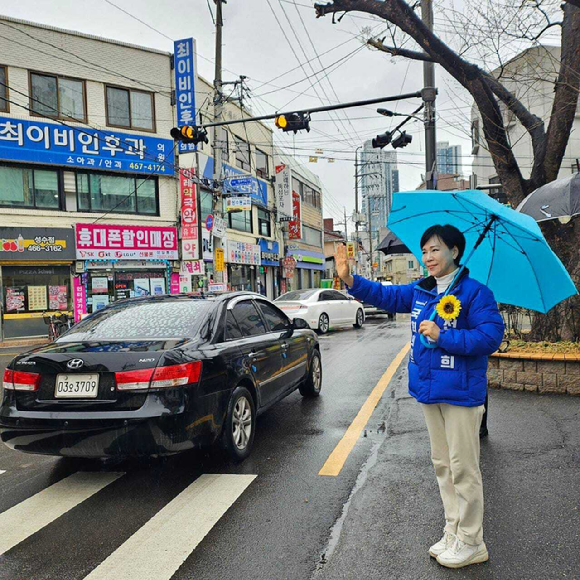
x=31, y=515
x=9, y=353
x=341, y=452
x=2, y=471
x=160, y=547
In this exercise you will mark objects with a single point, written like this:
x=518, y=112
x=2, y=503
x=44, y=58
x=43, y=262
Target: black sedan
x=158, y=375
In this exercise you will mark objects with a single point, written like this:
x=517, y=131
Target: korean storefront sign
x=350, y=253
x=189, y=217
x=219, y=227
x=195, y=267
x=243, y=253
x=49, y=143
x=289, y=265
x=105, y=242
x=270, y=252
x=79, y=298
x=23, y=244
x=295, y=226
x=219, y=260
x=243, y=203
x=184, y=54
x=283, y=190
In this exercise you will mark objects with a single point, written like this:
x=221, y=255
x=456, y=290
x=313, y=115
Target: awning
x=307, y=259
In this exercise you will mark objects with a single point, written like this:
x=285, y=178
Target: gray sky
x=255, y=46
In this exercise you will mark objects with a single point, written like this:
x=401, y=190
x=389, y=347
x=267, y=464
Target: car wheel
x=323, y=323
x=360, y=318
x=238, y=433
x=313, y=383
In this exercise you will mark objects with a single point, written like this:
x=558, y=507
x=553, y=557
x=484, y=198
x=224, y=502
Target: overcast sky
x=255, y=46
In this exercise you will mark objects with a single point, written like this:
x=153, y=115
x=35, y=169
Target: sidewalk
x=23, y=342
x=531, y=474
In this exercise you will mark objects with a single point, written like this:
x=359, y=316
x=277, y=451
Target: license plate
x=76, y=386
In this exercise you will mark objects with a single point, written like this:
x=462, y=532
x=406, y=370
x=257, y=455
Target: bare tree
x=488, y=29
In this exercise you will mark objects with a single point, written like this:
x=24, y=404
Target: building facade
x=530, y=77
x=88, y=196
x=379, y=179
x=448, y=159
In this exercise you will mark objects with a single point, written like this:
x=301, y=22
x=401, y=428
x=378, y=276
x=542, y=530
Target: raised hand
x=342, y=267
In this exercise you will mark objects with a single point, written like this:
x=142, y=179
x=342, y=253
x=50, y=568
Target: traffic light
x=293, y=122
x=382, y=140
x=189, y=134
x=402, y=140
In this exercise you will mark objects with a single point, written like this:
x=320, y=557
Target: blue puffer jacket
x=454, y=372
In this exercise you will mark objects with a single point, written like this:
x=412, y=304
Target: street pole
x=429, y=99
x=216, y=145
x=370, y=228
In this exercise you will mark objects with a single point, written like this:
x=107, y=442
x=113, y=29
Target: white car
x=322, y=309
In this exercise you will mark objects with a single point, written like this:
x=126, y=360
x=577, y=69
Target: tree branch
x=566, y=92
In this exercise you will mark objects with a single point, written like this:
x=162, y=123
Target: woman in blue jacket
x=450, y=380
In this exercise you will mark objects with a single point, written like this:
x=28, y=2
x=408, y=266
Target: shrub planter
x=541, y=373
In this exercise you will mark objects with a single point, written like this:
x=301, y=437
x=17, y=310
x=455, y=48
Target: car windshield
x=296, y=295
x=167, y=319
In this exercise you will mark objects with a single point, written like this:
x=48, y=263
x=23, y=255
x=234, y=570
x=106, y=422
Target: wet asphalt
x=278, y=528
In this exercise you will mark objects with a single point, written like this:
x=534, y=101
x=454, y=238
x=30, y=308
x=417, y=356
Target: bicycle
x=55, y=327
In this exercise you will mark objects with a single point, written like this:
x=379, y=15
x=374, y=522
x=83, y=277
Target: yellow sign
x=219, y=260
x=375, y=265
x=350, y=250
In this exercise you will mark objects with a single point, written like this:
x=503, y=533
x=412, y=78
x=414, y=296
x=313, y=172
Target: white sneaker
x=462, y=554
x=443, y=544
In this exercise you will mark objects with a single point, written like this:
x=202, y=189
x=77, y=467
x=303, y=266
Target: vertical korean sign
x=184, y=54
x=79, y=298
x=283, y=190
x=189, y=218
x=295, y=226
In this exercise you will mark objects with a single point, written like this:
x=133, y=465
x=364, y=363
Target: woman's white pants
x=454, y=435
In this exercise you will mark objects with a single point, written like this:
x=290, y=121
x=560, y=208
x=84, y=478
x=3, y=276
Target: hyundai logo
x=75, y=363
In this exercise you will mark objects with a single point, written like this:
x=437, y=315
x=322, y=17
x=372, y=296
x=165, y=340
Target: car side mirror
x=298, y=323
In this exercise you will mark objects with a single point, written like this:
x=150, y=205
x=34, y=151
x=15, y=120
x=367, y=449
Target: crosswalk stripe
x=159, y=548
x=31, y=515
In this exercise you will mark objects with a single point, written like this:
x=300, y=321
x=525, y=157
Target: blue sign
x=209, y=223
x=40, y=142
x=245, y=185
x=259, y=194
x=184, y=55
x=270, y=252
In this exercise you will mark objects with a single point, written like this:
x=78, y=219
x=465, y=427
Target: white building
x=84, y=153
x=530, y=76
x=379, y=179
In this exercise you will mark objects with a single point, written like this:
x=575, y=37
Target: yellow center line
x=339, y=455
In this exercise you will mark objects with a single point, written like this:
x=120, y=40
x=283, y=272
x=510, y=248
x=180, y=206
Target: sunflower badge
x=449, y=307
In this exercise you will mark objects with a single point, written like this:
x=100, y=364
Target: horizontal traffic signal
x=381, y=141
x=402, y=140
x=189, y=134
x=293, y=122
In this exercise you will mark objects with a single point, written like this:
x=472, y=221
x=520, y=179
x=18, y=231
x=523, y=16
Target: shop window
x=248, y=319
x=275, y=320
x=264, y=223
x=206, y=202
x=3, y=89
x=312, y=236
x=130, y=109
x=29, y=188
x=57, y=97
x=243, y=154
x=240, y=220
x=298, y=187
x=223, y=143
x=120, y=194
x=262, y=164
x=36, y=289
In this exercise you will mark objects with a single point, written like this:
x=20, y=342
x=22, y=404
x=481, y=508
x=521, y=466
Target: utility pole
x=345, y=225
x=370, y=229
x=429, y=94
x=217, y=114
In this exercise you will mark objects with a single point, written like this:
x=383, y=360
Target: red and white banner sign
x=295, y=226
x=283, y=190
x=105, y=242
x=189, y=217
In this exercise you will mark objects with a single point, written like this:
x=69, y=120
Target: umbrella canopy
x=557, y=199
x=391, y=244
x=513, y=258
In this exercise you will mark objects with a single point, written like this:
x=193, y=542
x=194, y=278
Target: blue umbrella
x=505, y=249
